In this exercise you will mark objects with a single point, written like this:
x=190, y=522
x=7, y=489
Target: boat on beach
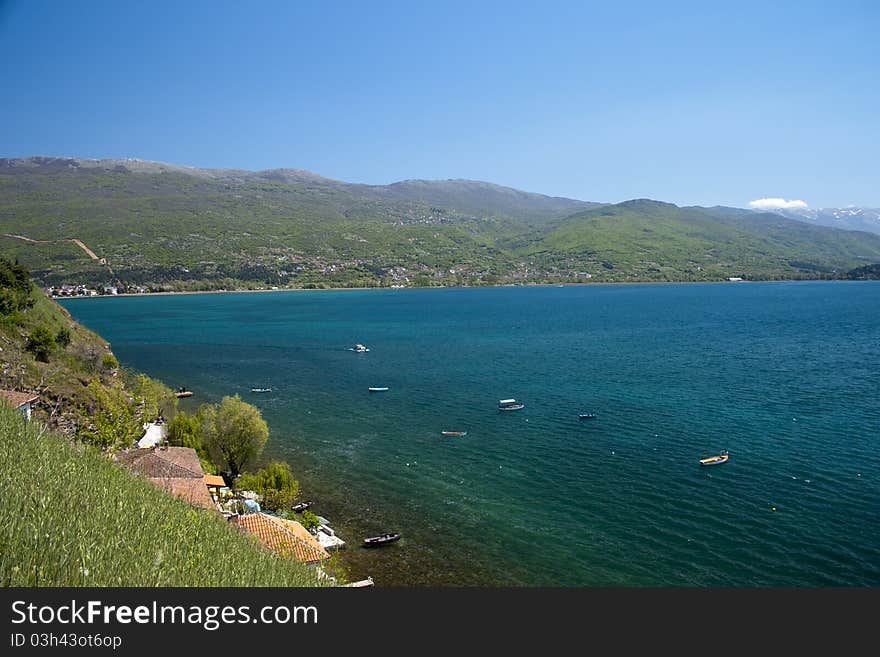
x=454, y=433
x=716, y=460
x=377, y=389
x=382, y=539
x=509, y=405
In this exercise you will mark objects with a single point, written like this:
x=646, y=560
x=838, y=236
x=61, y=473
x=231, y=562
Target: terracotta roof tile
x=286, y=537
x=189, y=490
x=164, y=462
x=16, y=399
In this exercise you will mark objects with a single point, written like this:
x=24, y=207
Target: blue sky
x=693, y=103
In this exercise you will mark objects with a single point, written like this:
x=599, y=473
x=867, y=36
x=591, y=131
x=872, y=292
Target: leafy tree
x=40, y=343
x=234, y=433
x=15, y=287
x=183, y=431
x=275, y=483
x=109, y=362
x=114, y=420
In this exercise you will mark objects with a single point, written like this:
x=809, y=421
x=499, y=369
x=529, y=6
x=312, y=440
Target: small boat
x=301, y=506
x=587, y=416
x=261, y=389
x=382, y=539
x=183, y=392
x=509, y=405
x=454, y=433
x=377, y=389
x=359, y=348
x=715, y=460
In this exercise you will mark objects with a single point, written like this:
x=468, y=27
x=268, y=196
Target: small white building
x=154, y=435
x=20, y=401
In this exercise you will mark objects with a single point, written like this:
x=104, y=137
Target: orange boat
x=715, y=460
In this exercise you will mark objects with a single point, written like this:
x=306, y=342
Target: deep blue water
x=783, y=375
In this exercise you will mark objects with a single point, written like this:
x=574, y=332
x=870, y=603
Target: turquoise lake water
x=783, y=375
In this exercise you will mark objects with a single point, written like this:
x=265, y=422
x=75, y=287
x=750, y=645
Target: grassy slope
x=161, y=224
x=72, y=517
x=647, y=239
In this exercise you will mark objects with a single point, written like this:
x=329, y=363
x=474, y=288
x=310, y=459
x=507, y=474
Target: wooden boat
x=509, y=405
x=382, y=539
x=301, y=506
x=377, y=389
x=454, y=433
x=715, y=460
x=587, y=416
x=183, y=392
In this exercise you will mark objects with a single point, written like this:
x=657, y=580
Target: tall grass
x=71, y=517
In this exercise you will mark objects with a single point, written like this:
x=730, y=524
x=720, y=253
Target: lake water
x=783, y=375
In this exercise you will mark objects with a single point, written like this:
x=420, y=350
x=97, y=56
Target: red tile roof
x=164, y=462
x=190, y=490
x=16, y=399
x=286, y=537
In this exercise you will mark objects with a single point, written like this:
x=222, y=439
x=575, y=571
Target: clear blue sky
x=694, y=103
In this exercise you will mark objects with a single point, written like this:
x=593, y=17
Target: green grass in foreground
x=71, y=517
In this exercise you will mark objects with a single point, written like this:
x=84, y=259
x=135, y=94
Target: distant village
x=86, y=291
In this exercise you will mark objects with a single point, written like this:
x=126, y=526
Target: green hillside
x=72, y=517
x=649, y=240
x=169, y=227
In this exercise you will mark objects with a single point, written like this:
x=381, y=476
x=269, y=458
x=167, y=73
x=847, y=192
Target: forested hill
x=163, y=226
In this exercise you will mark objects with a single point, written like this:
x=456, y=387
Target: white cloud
x=775, y=204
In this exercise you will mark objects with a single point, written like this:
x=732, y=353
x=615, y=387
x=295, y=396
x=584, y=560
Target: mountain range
x=848, y=218
x=164, y=226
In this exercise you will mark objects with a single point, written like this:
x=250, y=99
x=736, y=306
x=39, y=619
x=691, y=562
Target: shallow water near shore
x=783, y=375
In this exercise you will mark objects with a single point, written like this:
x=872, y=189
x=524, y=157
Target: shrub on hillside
x=41, y=343
x=275, y=483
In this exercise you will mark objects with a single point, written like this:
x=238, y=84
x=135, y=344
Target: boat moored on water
x=454, y=433
x=382, y=539
x=261, y=389
x=183, y=392
x=509, y=405
x=716, y=460
x=383, y=389
x=359, y=348
x=301, y=506
x=587, y=416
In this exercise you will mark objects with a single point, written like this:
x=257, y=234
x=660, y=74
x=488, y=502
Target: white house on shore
x=20, y=401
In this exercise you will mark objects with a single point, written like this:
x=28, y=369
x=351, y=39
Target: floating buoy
x=773, y=508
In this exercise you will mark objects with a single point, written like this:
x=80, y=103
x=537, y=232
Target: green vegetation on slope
x=166, y=227
x=649, y=240
x=72, y=517
x=82, y=389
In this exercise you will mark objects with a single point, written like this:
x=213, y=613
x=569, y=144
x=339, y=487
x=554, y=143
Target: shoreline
x=459, y=287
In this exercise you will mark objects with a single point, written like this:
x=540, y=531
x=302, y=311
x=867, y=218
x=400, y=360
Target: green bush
x=309, y=520
x=275, y=483
x=63, y=337
x=41, y=343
